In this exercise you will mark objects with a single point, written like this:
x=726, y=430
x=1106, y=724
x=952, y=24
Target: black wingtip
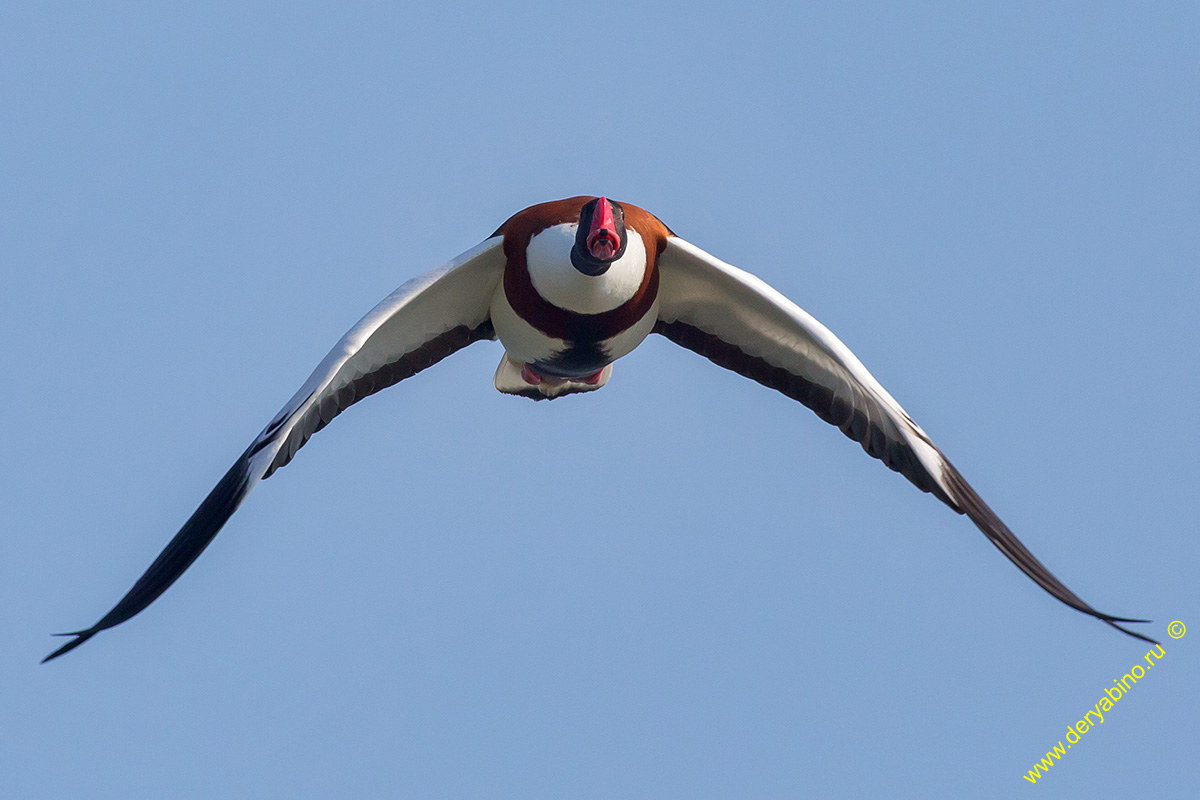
x=1108, y=618
x=177, y=556
x=1128, y=632
x=81, y=637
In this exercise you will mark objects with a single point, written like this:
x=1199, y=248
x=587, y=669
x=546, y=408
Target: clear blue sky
x=682, y=585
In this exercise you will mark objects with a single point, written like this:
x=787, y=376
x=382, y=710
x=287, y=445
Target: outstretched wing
x=416, y=326
x=739, y=322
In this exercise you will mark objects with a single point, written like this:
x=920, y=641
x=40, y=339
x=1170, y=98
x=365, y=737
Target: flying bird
x=569, y=287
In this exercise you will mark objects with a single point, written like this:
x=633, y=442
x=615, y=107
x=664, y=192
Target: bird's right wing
x=416, y=326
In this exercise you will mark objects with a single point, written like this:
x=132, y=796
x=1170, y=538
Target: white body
x=559, y=283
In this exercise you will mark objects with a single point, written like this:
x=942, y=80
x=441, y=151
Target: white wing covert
x=419, y=324
x=739, y=322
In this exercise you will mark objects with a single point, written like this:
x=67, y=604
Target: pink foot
x=594, y=378
x=529, y=376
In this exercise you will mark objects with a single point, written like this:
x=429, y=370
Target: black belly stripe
x=579, y=360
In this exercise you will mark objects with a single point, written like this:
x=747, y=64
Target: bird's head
x=601, y=238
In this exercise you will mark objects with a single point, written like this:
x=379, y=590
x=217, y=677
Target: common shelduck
x=568, y=287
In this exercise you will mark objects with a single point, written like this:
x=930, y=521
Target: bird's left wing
x=739, y=322
x=416, y=326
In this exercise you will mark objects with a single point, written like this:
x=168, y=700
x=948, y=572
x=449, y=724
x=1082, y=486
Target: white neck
x=550, y=269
